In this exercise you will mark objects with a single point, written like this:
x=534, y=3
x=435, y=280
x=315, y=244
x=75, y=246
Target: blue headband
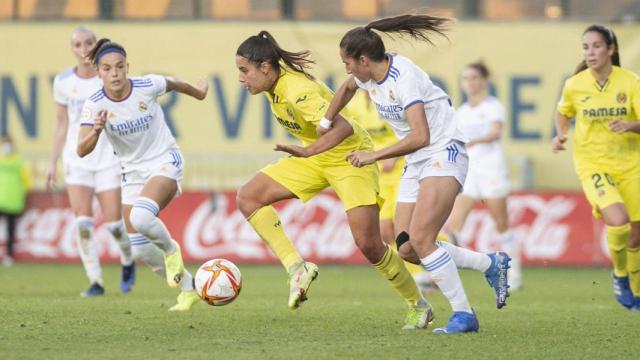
x=108, y=50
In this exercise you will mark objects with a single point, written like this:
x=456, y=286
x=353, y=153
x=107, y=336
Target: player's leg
x=508, y=242
x=109, y=196
x=628, y=187
x=461, y=209
x=605, y=198
x=11, y=238
x=80, y=199
x=288, y=178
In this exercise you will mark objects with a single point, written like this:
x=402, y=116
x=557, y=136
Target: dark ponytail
x=364, y=41
x=102, y=47
x=263, y=47
x=611, y=40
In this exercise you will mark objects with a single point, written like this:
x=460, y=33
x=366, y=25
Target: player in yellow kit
x=298, y=102
x=605, y=101
x=390, y=173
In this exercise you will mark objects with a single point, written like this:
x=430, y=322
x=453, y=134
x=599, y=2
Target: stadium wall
x=232, y=133
x=554, y=228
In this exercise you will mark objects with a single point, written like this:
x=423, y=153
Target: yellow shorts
x=389, y=183
x=603, y=189
x=305, y=177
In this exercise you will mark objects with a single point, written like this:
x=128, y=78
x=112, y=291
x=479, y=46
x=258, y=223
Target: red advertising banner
x=554, y=228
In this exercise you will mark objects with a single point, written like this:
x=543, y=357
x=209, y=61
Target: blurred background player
x=298, y=102
x=422, y=116
x=126, y=108
x=605, y=101
x=15, y=183
x=391, y=170
x=96, y=174
x=480, y=119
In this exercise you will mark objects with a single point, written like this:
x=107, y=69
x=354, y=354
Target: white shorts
x=450, y=161
x=170, y=165
x=99, y=180
x=489, y=184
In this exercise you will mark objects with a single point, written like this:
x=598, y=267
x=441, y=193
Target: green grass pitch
x=351, y=314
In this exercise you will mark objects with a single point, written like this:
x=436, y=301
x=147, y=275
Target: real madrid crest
x=621, y=98
x=142, y=106
x=393, y=98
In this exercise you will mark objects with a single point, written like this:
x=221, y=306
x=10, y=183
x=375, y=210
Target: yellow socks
x=617, y=240
x=267, y=224
x=633, y=267
x=393, y=269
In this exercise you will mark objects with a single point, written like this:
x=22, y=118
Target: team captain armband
x=325, y=123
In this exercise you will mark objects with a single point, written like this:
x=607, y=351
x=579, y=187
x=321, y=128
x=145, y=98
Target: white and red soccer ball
x=218, y=282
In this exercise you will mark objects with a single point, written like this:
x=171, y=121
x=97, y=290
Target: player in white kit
x=98, y=173
x=480, y=119
x=127, y=111
x=422, y=117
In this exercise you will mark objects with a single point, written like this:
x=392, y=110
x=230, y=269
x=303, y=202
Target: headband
x=109, y=49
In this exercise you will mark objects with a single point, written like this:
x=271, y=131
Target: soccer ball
x=218, y=282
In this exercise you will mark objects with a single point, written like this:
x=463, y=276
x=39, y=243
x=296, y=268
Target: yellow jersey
x=299, y=103
x=594, y=105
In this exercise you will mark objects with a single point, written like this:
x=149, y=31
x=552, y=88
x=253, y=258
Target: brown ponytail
x=101, y=47
x=611, y=40
x=364, y=41
x=264, y=47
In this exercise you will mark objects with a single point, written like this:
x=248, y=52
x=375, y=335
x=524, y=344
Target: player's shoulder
x=299, y=85
x=96, y=97
x=493, y=102
x=66, y=75
x=578, y=79
x=626, y=74
x=144, y=81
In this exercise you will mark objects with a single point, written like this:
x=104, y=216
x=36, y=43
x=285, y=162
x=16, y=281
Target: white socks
x=144, y=219
x=445, y=274
x=465, y=258
x=144, y=250
x=88, y=249
x=117, y=230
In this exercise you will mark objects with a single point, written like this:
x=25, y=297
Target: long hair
x=364, y=41
x=103, y=45
x=264, y=47
x=610, y=38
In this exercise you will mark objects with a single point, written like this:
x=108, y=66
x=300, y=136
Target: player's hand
x=202, y=86
x=619, y=126
x=294, y=150
x=557, y=143
x=51, y=177
x=101, y=120
x=322, y=130
x=361, y=158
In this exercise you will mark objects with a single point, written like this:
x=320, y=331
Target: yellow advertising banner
x=230, y=135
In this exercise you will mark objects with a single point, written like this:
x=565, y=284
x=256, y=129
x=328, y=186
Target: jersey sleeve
x=565, y=105
x=496, y=114
x=59, y=95
x=88, y=114
x=158, y=84
x=310, y=105
x=409, y=90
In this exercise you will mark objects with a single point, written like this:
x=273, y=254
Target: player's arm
x=90, y=133
x=59, y=135
x=198, y=91
x=340, y=99
x=621, y=126
x=417, y=138
x=562, y=128
x=341, y=130
x=495, y=131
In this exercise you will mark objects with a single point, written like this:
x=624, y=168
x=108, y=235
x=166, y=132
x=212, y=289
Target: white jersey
x=476, y=122
x=71, y=91
x=404, y=85
x=135, y=125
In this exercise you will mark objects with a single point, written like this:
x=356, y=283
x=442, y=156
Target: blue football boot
x=460, y=322
x=622, y=291
x=128, y=278
x=496, y=276
x=94, y=290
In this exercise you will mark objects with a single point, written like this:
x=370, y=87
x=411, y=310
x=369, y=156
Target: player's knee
x=85, y=226
x=115, y=228
x=143, y=214
x=247, y=204
x=404, y=248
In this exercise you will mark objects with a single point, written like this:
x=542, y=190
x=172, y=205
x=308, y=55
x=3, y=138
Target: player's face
x=356, y=67
x=595, y=50
x=113, y=69
x=81, y=43
x=472, y=82
x=253, y=78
